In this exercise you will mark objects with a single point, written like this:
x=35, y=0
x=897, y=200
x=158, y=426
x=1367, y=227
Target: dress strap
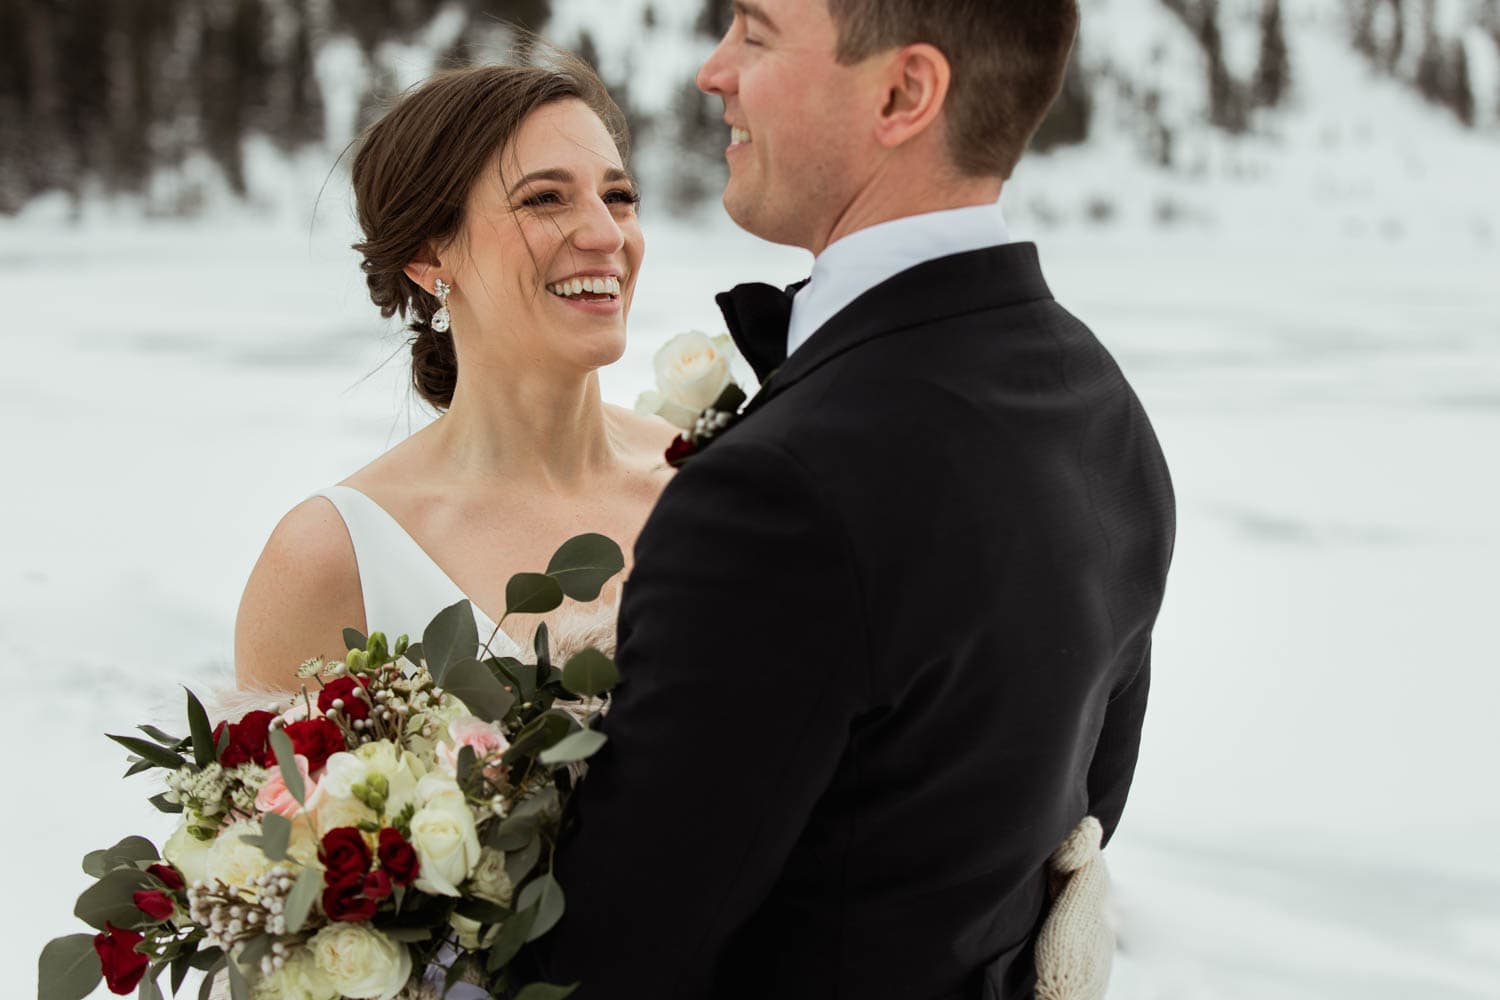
x=403, y=586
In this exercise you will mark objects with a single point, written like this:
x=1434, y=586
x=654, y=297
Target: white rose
x=234, y=862
x=468, y=932
x=397, y=770
x=490, y=880
x=692, y=369
x=361, y=962
x=188, y=854
x=298, y=979
x=443, y=834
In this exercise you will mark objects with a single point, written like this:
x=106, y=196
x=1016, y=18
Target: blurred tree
x=1273, y=69
x=714, y=18
x=1067, y=123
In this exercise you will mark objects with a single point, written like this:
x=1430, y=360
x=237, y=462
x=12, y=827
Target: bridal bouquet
x=393, y=823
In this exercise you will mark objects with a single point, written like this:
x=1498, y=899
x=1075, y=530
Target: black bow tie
x=757, y=316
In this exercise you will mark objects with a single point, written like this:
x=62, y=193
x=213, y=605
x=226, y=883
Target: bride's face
x=556, y=210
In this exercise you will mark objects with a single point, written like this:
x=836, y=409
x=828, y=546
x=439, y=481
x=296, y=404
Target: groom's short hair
x=1008, y=59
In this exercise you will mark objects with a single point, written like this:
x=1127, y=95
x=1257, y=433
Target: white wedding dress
x=403, y=587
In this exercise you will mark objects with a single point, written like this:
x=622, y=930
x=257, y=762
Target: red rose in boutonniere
x=710, y=424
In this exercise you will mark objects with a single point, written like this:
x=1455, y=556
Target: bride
x=499, y=219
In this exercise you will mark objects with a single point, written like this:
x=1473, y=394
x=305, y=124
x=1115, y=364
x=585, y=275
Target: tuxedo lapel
x=934, y=290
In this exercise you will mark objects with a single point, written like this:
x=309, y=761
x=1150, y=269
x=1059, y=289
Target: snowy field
x=1315, y=809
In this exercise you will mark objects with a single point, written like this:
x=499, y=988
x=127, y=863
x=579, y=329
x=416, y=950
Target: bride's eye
x=623, y=196
x=543, y=198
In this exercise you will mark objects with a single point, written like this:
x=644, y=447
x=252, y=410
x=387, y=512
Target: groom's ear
x=915, y=84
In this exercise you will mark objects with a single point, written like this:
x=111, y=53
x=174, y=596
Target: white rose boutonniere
x=692, y=370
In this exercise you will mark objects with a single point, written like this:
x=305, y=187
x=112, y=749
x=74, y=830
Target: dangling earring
x=440, y=319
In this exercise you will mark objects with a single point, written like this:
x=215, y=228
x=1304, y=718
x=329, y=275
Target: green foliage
x=450, y=638
x=204, y=751
x=546, y=895
x=126, y=853
x=300, y=900
x=286, y=760
x=546, y=991
x=476, y=686
x=110, y=900
x=584, y=563
x=532, y=594
x=590, y=673
x=354, y=639
x=149, y=753
x=578, y=746
x=68, y=969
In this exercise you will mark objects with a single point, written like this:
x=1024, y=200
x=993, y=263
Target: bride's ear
x=425, y=270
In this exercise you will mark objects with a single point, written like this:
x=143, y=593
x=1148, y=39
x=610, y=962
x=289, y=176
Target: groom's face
x=801, y=133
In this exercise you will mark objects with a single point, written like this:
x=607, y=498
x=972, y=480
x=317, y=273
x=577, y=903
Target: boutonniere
x=695, y=390
x=712, y=422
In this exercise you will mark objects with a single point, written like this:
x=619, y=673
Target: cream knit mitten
x=1077, y=943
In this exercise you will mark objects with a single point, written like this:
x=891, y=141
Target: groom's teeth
x=738, y=135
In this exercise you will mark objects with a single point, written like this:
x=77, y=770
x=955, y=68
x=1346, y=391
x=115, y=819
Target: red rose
x=317, y=740
x=153, y=903
x=377, y=885
x=123, y=965
x=344, y=854
x=398, y=857
x=248, y=740
x=679, y=450
x=169, y=876
x=346, y=900
x=355, y=706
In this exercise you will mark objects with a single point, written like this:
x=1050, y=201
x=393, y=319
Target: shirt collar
x=854, y=264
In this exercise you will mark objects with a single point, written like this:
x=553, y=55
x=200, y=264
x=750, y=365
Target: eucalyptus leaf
x=452, y=636
x=125, y=853
x=482, y=910
x=408, y=935
x=204, y=752
x=110, y=900
x=542, y=643
x=300, y=900
x=467, y=769
x=286, y=759
x=161, y=802
x=354, y=639
x=514, y=933
x=513, y=833
x=590, y=673
x=207, y=958
x=414, y=653
x=543, y=731
x=254, y=950
x=148, y=989
x=180, y=966
x=238, y=988
x=583, y=564
x=205, y=991
x=545, y=893
x=513, y=674
x=277, y=833
x=472, y=683
x=68, y=969
x=150, y=752
x=518, y=863
x=532, y=594
x=578, y=746
x=546, y=991
x=165, y=739
x=456, y=972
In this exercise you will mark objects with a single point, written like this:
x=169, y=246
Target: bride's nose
x=596, y=229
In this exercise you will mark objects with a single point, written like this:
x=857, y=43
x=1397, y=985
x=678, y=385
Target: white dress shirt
x=851, y=266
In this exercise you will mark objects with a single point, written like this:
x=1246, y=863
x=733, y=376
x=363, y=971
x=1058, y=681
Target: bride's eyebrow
x=561, y=176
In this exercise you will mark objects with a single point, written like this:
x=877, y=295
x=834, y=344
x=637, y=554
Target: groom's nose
x=715, y=75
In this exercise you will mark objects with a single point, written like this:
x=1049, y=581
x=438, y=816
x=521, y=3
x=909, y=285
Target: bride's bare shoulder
x=301, y=594
x=647, y=434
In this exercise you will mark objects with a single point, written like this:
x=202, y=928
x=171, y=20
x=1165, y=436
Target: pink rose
x=275, y=798
x=485, y=737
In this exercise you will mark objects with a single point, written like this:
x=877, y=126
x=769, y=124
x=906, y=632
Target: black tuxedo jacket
x=886, y=642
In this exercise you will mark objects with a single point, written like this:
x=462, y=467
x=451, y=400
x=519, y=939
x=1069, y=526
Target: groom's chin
x=756, y=217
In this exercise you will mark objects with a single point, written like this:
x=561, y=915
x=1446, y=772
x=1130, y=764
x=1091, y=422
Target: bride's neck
x=544, y=431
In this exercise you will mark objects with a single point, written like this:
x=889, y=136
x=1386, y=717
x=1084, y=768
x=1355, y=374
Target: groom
x=887, y=638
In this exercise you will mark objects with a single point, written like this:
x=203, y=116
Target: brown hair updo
x=414, y=170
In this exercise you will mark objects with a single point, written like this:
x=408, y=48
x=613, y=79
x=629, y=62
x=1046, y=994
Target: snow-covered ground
x=1314, y=811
